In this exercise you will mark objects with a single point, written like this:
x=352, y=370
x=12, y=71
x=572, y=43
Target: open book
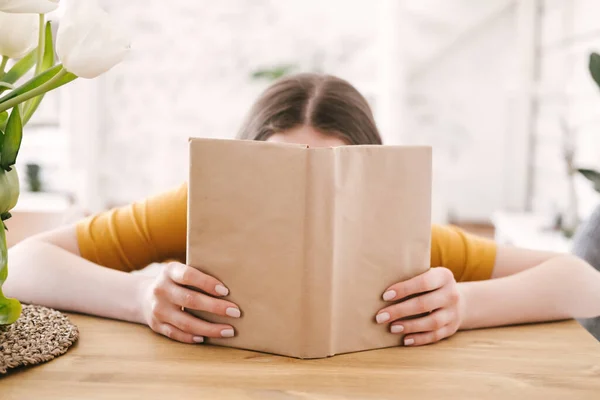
x=308, y=239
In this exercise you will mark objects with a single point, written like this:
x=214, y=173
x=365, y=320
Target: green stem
x=39, y=55
x=3, y=65
x=10, y=309
x=33, y=93
x=3, y=256
x=41, y=45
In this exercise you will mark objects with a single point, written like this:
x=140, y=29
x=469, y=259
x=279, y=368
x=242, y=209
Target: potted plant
x=88, y=44
x=594, y=68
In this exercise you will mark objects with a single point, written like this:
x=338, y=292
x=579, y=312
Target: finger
x=187, y=276
x=433, y=279
x=177, y=334
x=197, y=327
x=190, y=299
x=431, y=322
x=417, y=305
x=419, y=339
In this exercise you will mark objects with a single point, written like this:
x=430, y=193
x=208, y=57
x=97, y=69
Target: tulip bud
x=18, y=34
x=29, y=6
x=9, y=190
x=88, y=41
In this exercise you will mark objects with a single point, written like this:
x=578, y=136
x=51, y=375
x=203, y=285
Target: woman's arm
x=47, y=270
x=531, y=286
x=47, y=274
x=527, y=286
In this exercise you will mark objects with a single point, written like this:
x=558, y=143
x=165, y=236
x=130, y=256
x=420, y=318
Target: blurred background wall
x=495, y=86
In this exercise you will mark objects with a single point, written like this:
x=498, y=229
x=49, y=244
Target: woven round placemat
x=39, y=335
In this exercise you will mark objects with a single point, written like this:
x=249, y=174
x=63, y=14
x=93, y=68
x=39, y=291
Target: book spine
x=318, y=255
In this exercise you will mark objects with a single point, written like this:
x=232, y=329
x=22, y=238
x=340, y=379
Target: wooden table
x=115, y=360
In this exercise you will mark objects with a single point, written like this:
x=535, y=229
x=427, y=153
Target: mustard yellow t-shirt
x=154, y=230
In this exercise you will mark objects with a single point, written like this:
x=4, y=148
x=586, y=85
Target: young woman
x=86, y=267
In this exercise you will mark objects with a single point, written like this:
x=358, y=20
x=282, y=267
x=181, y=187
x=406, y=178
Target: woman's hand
x=436, y=295
x=164, y=297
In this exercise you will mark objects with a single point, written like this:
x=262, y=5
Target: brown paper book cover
x=307, y=239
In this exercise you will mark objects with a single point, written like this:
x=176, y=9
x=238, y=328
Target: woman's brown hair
x=326, y=103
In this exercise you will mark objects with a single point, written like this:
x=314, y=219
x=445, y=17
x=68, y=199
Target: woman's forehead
x=307, y=135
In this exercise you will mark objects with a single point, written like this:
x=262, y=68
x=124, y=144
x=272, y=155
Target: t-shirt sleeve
x=154, y=230
x=131, y=237
x=469, y=257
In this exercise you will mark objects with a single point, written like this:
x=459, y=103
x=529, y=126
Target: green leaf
x=47, y=63
x=20, y=68
x=10, y=309
x=273, y=73
x=594, y=67
x=40, y=80
x=32, y=83
x=3, y=118
x=12, y=140
x=48, y=60
x=592, y=176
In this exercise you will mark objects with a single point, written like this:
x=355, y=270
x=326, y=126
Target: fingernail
x=389, y=295
x=233, y=312
x=396, y=328
x=382, y=317
x=409, y=342
x=222, y=290
x=227, y=333
x=198, y=339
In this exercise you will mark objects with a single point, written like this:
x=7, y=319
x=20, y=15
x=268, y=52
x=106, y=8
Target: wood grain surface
x=116, y=360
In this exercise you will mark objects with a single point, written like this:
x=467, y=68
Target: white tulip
x=88, y=41
x=29, y=6
x=18, y=34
